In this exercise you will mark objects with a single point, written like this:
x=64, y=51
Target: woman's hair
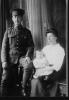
x=52, y=30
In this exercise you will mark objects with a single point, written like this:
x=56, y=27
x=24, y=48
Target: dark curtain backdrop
x=38, y=20
x=0, y=35
x=43, y=14
x=40, y=15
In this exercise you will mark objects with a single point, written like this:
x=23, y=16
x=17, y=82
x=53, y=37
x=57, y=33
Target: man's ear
x=12, y=18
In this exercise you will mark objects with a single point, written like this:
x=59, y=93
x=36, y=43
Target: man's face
x=17, y=20
x=51, y=38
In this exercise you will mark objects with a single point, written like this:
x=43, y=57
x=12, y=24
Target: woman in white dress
x=46, y=62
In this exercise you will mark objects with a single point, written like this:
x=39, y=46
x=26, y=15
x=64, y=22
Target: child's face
x=51, y=38
x=17, y=20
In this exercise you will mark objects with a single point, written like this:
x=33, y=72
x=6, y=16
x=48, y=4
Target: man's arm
x=30, y=50
x=4, y=50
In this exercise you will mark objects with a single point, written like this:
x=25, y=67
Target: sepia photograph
x=34, y=48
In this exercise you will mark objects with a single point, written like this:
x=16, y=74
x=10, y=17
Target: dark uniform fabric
x=16, y=43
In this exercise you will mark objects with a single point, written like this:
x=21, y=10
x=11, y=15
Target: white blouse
x=49, y=55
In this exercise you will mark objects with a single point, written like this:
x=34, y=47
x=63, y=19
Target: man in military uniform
x=16, y=54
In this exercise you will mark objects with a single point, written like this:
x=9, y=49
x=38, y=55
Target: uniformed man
x=17, y=52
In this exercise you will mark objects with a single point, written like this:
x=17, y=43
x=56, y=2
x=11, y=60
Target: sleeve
x=4, y=49
x=59, y=59
x=30, y=50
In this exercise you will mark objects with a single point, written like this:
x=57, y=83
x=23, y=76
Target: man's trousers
x=12, y=76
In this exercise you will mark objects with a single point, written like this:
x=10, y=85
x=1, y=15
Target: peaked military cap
x=17, y=11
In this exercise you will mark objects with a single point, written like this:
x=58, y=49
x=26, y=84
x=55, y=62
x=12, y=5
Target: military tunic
x=17, y=43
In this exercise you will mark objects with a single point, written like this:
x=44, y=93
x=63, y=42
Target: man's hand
x=24, y=61
x=4, y=65
x=28, y=60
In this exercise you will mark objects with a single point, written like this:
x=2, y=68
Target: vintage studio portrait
x=33, y=48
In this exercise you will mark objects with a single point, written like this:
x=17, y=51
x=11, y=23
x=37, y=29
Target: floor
x=62, y=93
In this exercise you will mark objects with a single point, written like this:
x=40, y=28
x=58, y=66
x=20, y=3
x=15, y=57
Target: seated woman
x=46, y=62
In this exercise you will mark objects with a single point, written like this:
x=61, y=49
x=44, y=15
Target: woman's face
x=51, y=38
x=16, y=20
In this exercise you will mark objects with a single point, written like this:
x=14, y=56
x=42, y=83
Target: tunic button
x=17, y=47
x=17, y=40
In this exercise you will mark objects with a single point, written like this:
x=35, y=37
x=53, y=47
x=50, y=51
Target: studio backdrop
x=39, y=16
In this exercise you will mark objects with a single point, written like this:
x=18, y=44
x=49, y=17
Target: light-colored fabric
x=24, y=61
x=50, y=55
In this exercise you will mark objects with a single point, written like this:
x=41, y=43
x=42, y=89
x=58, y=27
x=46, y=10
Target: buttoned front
x=18, y=42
